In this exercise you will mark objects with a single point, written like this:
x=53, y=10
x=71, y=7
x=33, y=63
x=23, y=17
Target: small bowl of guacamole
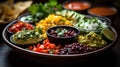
x=26, y=37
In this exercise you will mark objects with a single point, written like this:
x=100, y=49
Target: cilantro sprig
x=40, y=10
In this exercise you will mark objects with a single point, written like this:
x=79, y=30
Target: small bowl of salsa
x=107, y=11
x=77, y=5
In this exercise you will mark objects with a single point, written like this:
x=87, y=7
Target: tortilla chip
x=10, y=11
x=21, y=6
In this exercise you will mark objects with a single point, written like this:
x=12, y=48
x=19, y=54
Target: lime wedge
x=108, y=34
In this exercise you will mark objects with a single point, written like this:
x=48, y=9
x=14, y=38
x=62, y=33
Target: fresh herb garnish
x=40, y=11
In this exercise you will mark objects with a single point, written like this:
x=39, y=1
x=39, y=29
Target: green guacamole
x=26, y=37
x=92, y=39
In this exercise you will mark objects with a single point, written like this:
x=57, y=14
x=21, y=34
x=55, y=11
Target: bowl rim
x=114, y=8
x=68, y=1
x=78, y=31
x=25, y=14
x=15, y=47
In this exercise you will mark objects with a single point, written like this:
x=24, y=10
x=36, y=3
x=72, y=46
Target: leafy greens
x=41, y=10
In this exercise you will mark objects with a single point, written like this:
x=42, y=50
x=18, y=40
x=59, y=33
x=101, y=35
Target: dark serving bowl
x=54, y=58
x=65, y=39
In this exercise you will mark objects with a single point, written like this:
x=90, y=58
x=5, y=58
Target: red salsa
x=103, y=11
x=77, y=5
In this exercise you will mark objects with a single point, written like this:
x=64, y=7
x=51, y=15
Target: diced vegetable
x=20, y=26
x=45, y=47
x=91, y=24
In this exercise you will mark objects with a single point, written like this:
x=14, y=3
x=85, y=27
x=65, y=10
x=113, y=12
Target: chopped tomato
x=44, y=51
x=41, y=47
x=46, y=41
x=34, y=48
x=46, y=47
x=30, y=47
x=20, y=26
x=52, y=46
x=38, y=45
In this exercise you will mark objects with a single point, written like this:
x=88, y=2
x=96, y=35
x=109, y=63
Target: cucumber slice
x=77, y=17
x=70, y=13
x=74, y=16
x=64, y=13
x=58, y=13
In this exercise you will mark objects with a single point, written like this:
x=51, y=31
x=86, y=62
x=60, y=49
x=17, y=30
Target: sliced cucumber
x=74, y=16
x=70, y=15
x=64, y=13
x=58, y=13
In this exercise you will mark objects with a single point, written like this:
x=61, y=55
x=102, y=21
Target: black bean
x=65, y=32
x=75, y=48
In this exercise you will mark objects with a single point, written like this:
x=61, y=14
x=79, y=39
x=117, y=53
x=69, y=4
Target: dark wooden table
x=8, y=57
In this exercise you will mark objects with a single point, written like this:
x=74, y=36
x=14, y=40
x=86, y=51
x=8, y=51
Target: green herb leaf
x=34, y=8
x=53, y=2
